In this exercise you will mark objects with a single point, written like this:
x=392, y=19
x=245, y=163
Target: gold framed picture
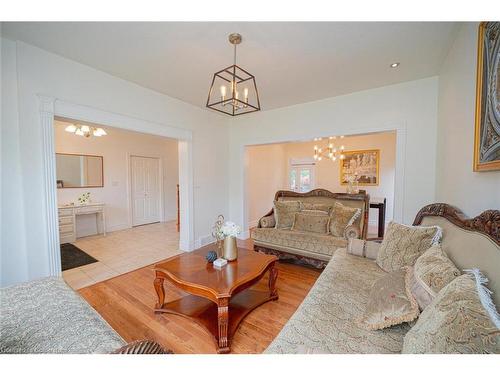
x=487, y=124
x=362, y=165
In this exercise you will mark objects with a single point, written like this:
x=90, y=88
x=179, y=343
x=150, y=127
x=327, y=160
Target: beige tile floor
x=123, y=251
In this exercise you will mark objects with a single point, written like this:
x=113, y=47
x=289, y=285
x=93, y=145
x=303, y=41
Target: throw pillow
x=284, y=213
x=433, y=270
x=315, y=223
x=268, y=222
x=316, y=207
x=341, y=217
x=389, y=303
x=403, y=244
x=461, y=319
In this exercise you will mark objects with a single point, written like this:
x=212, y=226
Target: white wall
x=30, y=71
x=266, y=174
x=473, y=192
x=411, y=106
x=13, y=230
x=116, y=148
x=268, y=168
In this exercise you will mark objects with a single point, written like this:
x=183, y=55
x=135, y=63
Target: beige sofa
x=311, y=248
x=325, y=322
x=47, y=316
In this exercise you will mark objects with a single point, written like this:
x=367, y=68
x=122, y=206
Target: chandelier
x=329, y=151
x=233, y=90
x=85, y=130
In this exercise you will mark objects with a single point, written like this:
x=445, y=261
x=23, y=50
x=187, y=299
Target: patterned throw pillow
x=457, y=321
x=389, y=303
x=403, y=244
x=316, y=207
x=433, y=270
x=341, y=217
x=284, y=213
x=268, y=222
x=307, y=222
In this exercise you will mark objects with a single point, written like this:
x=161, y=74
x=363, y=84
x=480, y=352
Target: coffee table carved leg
x=223, y=322
x=160, y=291
x=273, y=275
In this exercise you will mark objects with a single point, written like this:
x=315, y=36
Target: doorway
x=145, y=187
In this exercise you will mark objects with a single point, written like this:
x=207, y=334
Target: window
x=301, y=176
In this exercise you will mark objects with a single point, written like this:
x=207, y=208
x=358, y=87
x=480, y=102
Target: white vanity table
x=67, y=219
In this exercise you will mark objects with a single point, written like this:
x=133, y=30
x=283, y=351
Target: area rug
x=72, y=257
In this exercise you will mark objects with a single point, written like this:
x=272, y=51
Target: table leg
x=160, y=291
x=223, y=320
x=273, y=275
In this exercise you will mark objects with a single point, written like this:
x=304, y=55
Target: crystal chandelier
x=233, y=90
x=85, y=130
x=329, y=151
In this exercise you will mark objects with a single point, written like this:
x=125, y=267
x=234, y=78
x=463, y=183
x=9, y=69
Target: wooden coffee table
x=218, y=300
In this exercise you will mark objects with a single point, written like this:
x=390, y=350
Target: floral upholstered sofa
x=328, y=320
x=46, y=316
x=304, y=245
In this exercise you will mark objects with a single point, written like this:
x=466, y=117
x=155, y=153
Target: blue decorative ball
x=211, y=256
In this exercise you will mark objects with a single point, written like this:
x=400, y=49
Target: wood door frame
x=130, y=198
x=51, y=107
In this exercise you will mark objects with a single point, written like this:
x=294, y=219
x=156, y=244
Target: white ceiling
x=293, y=62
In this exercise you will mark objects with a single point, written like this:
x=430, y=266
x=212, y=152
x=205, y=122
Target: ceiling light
x=229, y=83
x=330, y=151
x=394, y=65
x=86, y=130
x=70, y=128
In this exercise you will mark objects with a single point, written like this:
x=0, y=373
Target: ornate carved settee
x=311, y=248
x=326, y=321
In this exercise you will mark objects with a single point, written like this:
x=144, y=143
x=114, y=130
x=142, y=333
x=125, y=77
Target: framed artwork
x=487, y=127
x=364, y=164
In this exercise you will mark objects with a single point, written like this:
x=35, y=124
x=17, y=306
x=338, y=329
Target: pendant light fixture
x=330, y=150
x=233, y=90
x=85, y=130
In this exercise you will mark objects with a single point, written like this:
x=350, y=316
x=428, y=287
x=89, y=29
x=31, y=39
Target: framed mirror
x=79, y=171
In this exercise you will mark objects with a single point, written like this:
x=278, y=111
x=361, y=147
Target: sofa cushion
x=311, y=222
x=455, y=322
x=433, y=270
x=47, y=316
x=288, y=240
x=341, y=217
x=284, y=213
x=326, y=319
x=316, y=207
x=403, y=244
x=390, y=302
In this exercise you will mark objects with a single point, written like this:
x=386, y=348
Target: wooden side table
x=380, y=204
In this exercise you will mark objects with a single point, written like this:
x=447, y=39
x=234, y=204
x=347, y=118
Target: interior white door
x=145, y=190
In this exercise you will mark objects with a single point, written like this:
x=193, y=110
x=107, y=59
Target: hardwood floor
x=126, y=302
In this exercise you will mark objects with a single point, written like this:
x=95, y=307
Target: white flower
x=230, y=229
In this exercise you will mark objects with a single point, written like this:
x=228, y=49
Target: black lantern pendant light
x=233, y=90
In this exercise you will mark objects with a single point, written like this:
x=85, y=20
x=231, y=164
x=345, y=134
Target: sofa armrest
x=267, y=222
x=363, y=248
x=142, y=347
